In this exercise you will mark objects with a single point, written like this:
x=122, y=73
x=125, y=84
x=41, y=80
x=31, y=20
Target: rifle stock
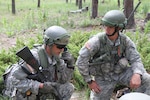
x=27, y=56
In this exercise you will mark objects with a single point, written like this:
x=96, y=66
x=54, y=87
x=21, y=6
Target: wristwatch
x=89, y=82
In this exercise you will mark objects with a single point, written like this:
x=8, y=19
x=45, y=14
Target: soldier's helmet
x=114, y=18
x=135, y=96
x=56, y=35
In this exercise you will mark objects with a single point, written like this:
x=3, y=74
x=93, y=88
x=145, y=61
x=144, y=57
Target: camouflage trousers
x=65, y=90
x=107, y=87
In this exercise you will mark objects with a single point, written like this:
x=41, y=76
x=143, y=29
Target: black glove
x=48, y=87
x=68, y=58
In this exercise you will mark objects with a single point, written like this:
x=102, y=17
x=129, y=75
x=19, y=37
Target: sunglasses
x=60, y=46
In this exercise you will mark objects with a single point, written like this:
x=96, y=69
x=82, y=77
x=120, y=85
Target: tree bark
x=80, y=4
x=102, y=1
x=128, y=8
x=66, y=1
x=77, y=2
x=38, y=4
x=94, y=8
x=13, y=7
x=119, y=3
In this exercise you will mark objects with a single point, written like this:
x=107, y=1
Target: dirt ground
x=7, y=42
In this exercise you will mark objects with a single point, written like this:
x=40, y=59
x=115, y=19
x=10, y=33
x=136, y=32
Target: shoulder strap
x=123, y=44
x=102, y=38
x=42, y=57
x=103, y=47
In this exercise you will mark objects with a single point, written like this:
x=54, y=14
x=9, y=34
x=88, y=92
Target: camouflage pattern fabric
x=19, y=87
x=109, y=73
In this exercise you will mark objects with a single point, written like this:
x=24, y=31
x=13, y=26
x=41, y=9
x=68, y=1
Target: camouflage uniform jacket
x=17, y=78
x=108, y=54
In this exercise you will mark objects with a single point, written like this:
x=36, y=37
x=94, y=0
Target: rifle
x=27, y=56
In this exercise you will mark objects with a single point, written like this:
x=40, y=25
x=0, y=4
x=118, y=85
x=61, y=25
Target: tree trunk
x=119, y=3
x=80, y=4
x=38, y=4
x=76, y=2
x=66, y=1
x=13, y=7
x=128, y=8
x=94, y=8
x=102, y=1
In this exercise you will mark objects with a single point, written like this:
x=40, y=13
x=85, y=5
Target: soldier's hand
x=48, y=87
x=94, y=87
x=135, y=81
x=68, y=58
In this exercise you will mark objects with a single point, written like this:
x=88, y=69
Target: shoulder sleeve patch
x=87, y=45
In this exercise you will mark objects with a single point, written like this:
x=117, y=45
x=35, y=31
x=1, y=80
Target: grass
x=30, y=20
x=54, y=12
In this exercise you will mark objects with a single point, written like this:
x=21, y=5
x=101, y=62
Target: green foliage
x=30, y=19
x=8, y=57
x=78, y=80
x=77, y=40
x=147, y=28
x=145, y=8
x=85, y=23
x=143, y=45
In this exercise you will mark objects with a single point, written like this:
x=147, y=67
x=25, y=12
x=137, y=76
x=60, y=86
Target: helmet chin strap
x=115, y=31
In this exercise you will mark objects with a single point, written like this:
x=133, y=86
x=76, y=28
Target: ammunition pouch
x=93, y=70
x=121, y=65
x=102, y=69
x=123, y=62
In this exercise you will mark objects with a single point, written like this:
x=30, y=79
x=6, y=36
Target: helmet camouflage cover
x=114, y=18
x=56, y=35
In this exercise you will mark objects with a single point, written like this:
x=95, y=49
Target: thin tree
x=13, y=7
x=128, y=8
x=94, y=8
x=38, y=4
x=102, y=1
x=66, y=1
x=119, y=3
x=77, y=2
x=80, y=4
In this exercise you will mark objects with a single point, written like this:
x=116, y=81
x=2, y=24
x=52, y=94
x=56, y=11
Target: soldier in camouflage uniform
x=57, y=66
x=111, y=58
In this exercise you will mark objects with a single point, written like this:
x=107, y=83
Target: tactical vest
x=108, y=56
x=43, y=57
x=43, y=62
x=111, y=52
